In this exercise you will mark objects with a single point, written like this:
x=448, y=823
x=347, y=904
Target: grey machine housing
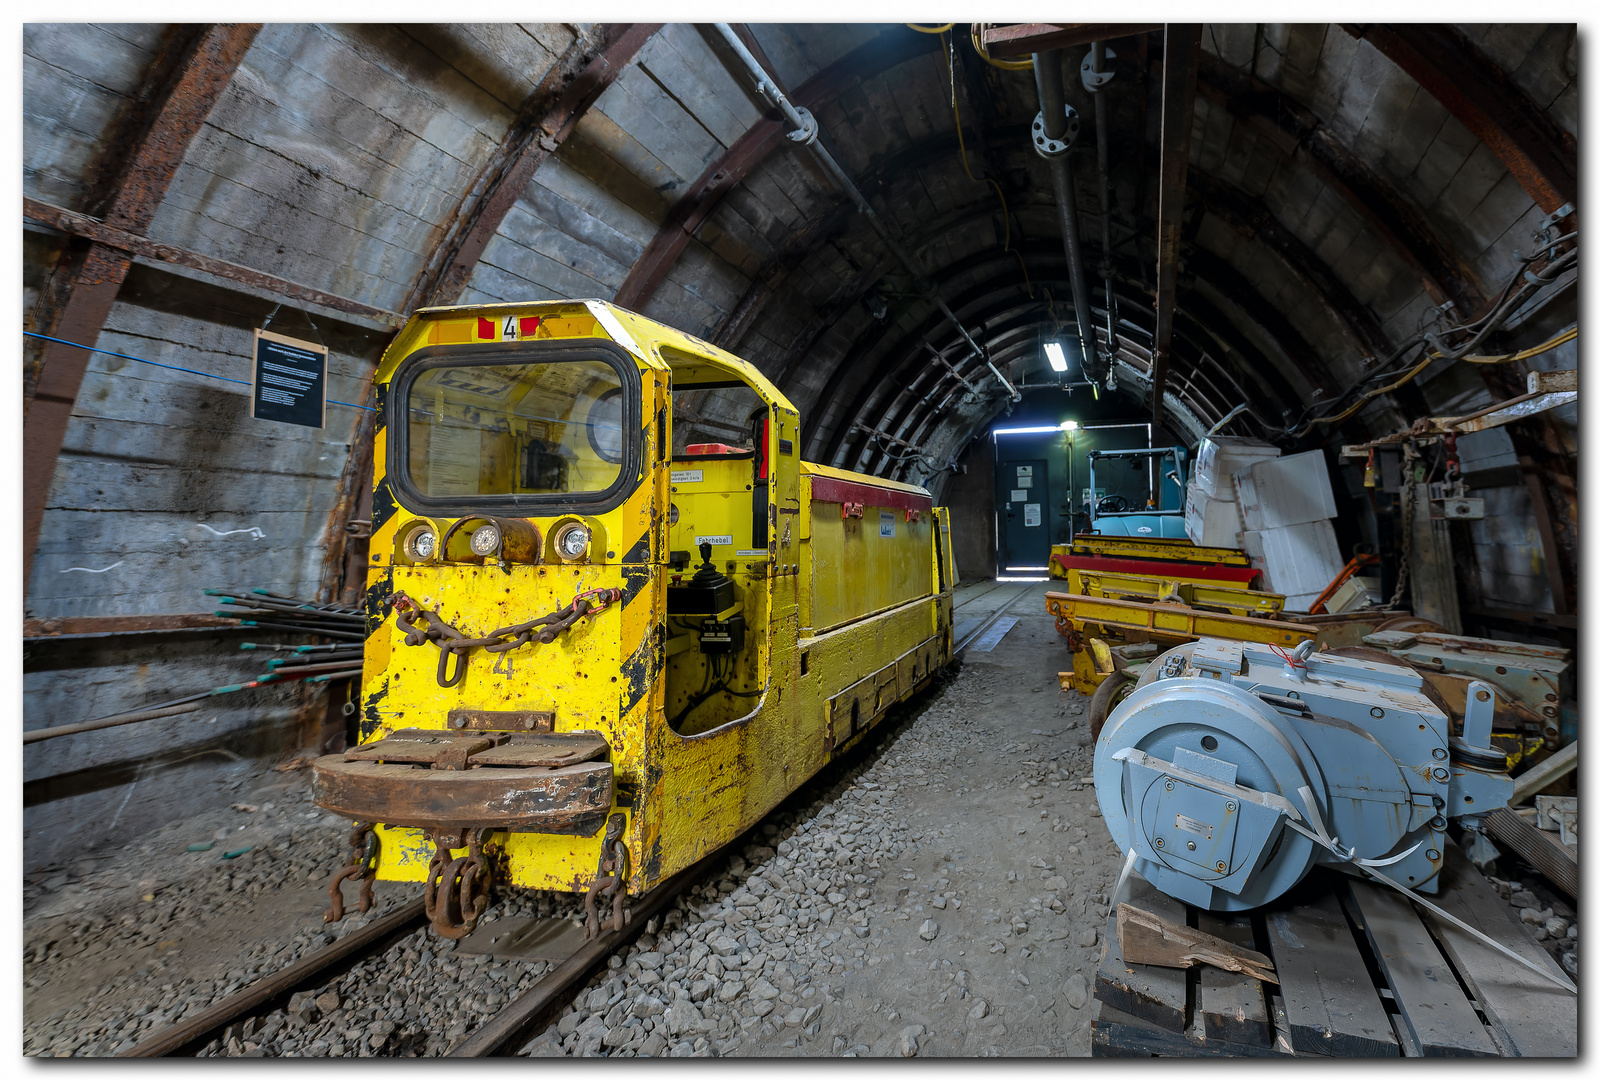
x=1201, y=770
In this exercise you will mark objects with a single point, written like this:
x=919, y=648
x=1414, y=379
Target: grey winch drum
x=1204, y=771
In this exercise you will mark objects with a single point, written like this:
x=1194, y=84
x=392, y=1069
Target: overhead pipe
x=804, y=131
x=1053, y=124
x=1096, y=73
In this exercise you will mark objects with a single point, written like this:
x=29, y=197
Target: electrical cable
x=1559, y=339
x=921, y=29
x=1003, y=65
x=170, y=367
x=1507, y=301
x=961, y=144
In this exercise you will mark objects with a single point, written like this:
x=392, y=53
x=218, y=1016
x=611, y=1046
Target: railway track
x=988, y=620
x=508, y=1029
x=497, y=1036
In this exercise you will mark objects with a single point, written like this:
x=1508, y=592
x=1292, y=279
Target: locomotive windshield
x=512, y=430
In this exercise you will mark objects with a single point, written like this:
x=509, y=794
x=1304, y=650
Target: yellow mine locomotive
x=596, y=650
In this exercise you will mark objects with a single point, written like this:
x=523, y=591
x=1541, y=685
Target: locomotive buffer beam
x=426, y=779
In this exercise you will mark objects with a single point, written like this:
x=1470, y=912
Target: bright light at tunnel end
x=1069, y=425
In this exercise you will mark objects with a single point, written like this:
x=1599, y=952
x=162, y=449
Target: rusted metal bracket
x=852, y=510
x=363, y=864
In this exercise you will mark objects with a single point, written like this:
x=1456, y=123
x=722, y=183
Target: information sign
x=290, y=384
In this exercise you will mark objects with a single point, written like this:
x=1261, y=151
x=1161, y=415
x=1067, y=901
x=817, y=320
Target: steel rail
x=303, y=972
x=994, y=616
x=503, y=1029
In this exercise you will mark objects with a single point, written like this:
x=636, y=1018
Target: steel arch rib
x=650, y=269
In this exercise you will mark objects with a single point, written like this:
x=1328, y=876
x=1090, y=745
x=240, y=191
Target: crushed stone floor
x=939, y=893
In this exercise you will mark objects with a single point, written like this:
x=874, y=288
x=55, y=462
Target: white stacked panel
x=1301, y=561
x=1285, y=491
x=1211, y=521
x=1220, y=456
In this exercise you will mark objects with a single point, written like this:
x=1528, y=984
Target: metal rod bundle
x=310, y=663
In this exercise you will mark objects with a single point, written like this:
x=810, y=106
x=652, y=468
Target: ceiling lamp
x=1057, y=357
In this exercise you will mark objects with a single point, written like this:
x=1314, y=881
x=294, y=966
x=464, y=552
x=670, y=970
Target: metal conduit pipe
x=1053, y=109
x=1102, y=142
x=805, y=128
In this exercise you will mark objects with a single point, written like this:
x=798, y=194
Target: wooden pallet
x=1363, y=971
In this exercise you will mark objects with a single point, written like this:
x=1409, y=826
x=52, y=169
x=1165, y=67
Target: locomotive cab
x=610, y=612
x=729, y=483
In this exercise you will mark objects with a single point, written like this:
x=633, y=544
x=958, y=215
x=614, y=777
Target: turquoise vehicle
x=1117, y=515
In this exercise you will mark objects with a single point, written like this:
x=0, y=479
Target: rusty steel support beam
x=549, y=116
x=1180, y=67
x=177, y=111
x=1016, y=40
x=105, y=625
x=752, y=148
x=1542, y=157
x=551, y=113
x=104, y=235
x=1302, y=135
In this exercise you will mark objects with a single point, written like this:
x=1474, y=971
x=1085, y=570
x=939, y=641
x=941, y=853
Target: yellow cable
x=961, y=143
x=1505, y=358
x=923, y=29
x=1558, y=340
x=1003, y=65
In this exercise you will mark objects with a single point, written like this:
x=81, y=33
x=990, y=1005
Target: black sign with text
x=291, y=380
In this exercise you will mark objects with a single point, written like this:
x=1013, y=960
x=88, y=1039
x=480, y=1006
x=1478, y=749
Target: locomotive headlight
x=421, y=544
x=486, y=540
x=572, y=541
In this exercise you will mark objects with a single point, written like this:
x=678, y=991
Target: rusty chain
x=363, y=863
x=457, y=890
x=449, y=640
x=609, y=878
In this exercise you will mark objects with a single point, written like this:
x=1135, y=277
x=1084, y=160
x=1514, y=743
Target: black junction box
x=722, y=637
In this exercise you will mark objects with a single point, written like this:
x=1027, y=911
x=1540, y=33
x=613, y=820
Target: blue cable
x=169, y=367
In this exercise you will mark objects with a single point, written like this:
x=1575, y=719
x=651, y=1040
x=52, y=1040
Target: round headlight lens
x=485, y=540
x=572, y=542
x=422, y=544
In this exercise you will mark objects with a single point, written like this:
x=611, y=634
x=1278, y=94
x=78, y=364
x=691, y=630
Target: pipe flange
x=1093, y=80
x=806, y=133
x=1045, y=146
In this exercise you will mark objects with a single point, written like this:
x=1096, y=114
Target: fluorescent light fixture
x=1069, y=425
x=1057, y=358
x=1026, y=430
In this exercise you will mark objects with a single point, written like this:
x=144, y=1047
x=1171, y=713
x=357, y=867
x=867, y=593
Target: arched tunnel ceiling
x=1334, y=202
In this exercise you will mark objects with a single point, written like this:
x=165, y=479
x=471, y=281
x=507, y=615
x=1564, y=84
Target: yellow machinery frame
x=1173, y=623
x=1128, y=547
x=1236, y=599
